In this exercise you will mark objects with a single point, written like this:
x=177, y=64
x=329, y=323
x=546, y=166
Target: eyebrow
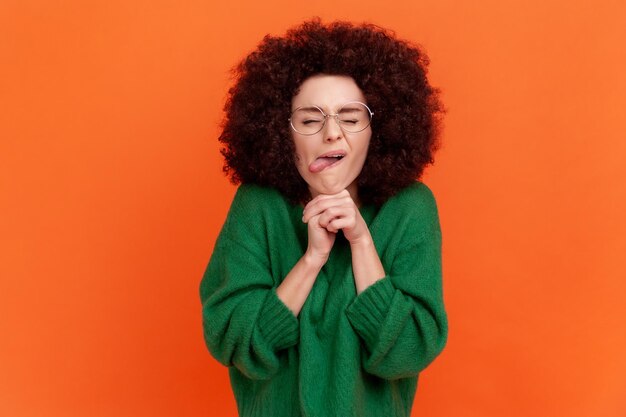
x=351, y=109
x=343, y=109
x=308, y=108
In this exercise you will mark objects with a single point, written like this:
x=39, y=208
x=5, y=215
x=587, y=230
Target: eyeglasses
x=353, y=117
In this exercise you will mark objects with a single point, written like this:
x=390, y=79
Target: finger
x=323, y=197
x=322, y=205
x=323, y=221
x=333, y=213
x=317, y=223
x=341, y=193
x=339, y=223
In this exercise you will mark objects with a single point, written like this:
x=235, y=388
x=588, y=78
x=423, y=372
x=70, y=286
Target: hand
x=335, y=212
x=321, y=241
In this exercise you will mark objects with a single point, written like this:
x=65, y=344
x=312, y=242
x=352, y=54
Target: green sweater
x=344, y=355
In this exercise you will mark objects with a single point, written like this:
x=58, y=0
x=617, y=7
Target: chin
x=328, y=189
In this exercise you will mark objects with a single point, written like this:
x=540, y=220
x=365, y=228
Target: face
x=331, y=160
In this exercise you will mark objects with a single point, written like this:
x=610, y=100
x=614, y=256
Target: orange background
x=111, y=197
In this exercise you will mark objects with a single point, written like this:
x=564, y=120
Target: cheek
x=299, y=164
x=299, y=159
x=301, y=153
x=363, y=149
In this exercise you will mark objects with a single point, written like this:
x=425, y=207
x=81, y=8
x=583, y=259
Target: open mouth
x=326, y=161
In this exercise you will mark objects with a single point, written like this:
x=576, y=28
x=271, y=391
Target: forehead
x=327, y=92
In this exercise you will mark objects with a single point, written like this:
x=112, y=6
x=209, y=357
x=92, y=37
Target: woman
x=323, y=295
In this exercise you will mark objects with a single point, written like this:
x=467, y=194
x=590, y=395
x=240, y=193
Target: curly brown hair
x=258, y=146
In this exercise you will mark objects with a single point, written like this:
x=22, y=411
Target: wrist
x=363, y=242
x=314, y=260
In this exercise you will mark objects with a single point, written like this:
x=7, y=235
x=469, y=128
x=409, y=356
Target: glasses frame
x=335, y=115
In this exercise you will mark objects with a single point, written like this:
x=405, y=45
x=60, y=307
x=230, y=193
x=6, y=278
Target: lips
x=327, y=160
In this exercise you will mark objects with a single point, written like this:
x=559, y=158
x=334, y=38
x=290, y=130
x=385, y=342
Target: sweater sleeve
x=401, y=318
x=245, y=324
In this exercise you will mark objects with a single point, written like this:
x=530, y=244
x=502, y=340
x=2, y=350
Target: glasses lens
x=307, y=120
x=354, y=117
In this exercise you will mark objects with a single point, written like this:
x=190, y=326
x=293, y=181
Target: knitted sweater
x=345, y=354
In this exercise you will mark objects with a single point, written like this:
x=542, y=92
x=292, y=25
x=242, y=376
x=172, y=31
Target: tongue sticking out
x=322, y=163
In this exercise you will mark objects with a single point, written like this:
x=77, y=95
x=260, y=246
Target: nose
x=332, y=130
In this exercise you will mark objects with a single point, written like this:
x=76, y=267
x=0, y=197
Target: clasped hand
x=326, y=215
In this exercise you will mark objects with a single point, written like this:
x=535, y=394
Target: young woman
x=323, y=295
